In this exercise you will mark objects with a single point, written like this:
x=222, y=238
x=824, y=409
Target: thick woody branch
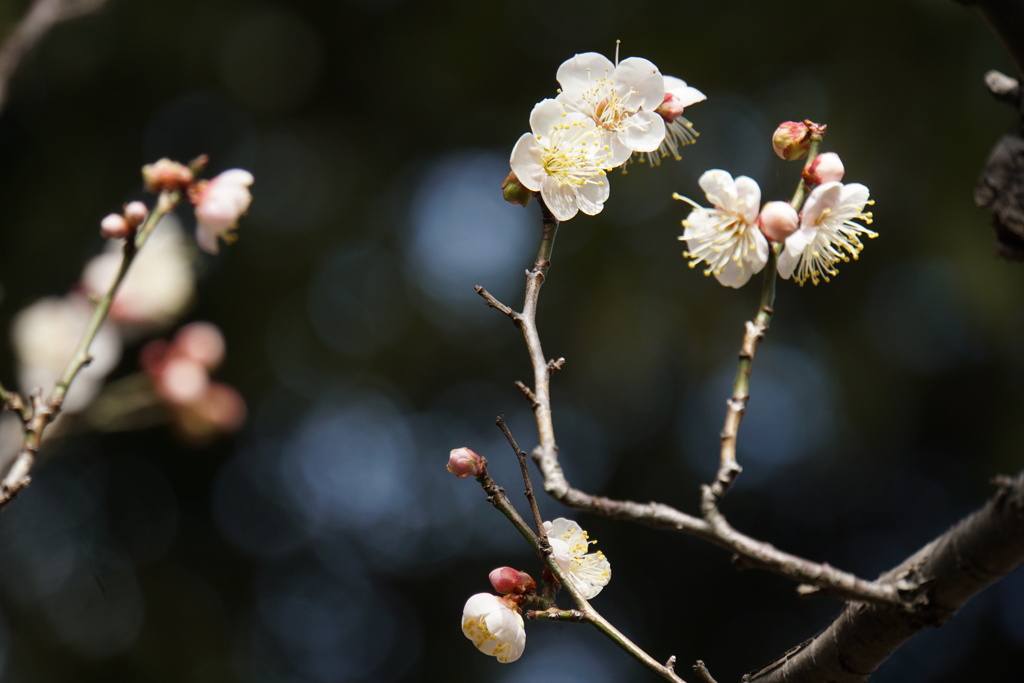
x=938, y=580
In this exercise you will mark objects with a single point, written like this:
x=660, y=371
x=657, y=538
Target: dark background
x=325, y=542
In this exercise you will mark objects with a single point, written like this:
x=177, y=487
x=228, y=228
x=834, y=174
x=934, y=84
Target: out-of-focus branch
x=40, y=413
x=938, y=580
x=1000, y=189
x=1006, y=19
x=42, y=15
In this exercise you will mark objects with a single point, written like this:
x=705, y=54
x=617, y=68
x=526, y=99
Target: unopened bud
x=135, y=213
x=509, y=581
x=166, y=175
x=115, y=227
x=464, y=462
x=513, y=191
x=778, y=220
x=671, y=108
x=791, y=140
x=825, y=168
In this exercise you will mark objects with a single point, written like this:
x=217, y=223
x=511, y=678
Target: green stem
x=80, y=358
x=803, y=188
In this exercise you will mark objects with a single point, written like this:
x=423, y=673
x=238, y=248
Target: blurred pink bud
x=201, y=342
x=181, y=380
x=219, y=203
x=135, y=213
x=825, y=168
x=115, y=227
x=507, y=580
x=778, y=220
x=166, y=175
x=221, y=410
x=791, y=140
x=464, y=462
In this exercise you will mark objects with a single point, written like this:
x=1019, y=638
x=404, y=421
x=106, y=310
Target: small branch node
x=702, y=672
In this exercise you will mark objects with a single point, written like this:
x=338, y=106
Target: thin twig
x=525, y=468
x=728, y=467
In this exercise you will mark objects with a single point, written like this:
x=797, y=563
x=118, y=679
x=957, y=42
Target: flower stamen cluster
x=732, y=238
x=828, y=233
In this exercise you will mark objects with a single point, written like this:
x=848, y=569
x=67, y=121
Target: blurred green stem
x=39, y=413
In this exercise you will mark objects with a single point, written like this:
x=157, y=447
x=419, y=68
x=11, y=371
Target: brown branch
x=40, y=18
x=938, y=580
x=1000, y=189
x=1006, y=19
x=713, y=527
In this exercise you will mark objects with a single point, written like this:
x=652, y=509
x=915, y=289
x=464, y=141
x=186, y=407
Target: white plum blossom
x=679, y=131
x=565, y=158
x=495, y=626
x=588, y=572
x=620, y=98
x=726, y=237
x=827, y=233
x=219, y=203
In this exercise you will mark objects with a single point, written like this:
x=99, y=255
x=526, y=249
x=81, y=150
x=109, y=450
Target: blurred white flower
x=565, y=158
x=495, y=626
x=620, y=98
x=44, y=337
x=219, y=203
x=159, y=287
x=726, y=237
x=588, y=572
x=827, y=233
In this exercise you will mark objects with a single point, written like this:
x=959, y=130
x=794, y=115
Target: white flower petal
x=561, y=199
x=646, y=85
x=526, y=162
x=719, y=188
x=545, y=116
x=577, y=74
x=494, y=627
x=645, y=132
x=686, y=94
x=748, y=198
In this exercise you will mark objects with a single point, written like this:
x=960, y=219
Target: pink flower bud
x=671, y=108
x=778, y=220
x=791, y=140
x=825, y=168
x=507, y=580
x=514, y=192
x=202, y=342
x=464, y=462
x=166, y=175
x=115, y=227
x=135, y=213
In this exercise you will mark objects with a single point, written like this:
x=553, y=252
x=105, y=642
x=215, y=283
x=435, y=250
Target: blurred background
x=324, y=542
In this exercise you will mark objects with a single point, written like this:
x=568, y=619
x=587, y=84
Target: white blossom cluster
x=604, y=113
